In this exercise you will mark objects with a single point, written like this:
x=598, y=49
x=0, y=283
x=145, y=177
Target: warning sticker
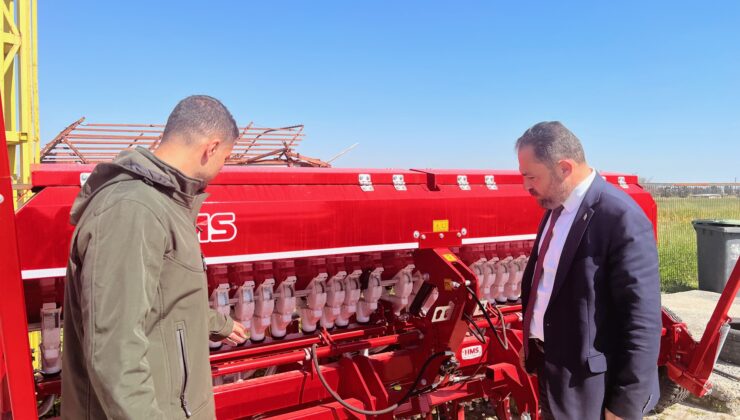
x=450, y=257
x=440, y=225
x=448, y=285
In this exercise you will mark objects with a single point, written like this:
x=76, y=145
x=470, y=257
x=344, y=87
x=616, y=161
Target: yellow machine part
x=19, y=90
x=34, y=341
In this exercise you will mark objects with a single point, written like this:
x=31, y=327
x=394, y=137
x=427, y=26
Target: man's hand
x=610, y=416
x=238, y=335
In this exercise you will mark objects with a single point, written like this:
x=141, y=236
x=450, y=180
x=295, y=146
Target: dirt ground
x=690, y=411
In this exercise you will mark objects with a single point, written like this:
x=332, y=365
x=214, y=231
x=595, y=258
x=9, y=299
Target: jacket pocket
x=196, y=265
x=184, y=368
x=597, y=363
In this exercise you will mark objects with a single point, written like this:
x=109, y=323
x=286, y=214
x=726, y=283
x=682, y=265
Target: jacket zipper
x=184, y=371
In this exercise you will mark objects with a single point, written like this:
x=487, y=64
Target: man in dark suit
x=591, y=290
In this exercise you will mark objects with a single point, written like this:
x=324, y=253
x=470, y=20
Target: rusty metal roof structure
x=83, y=142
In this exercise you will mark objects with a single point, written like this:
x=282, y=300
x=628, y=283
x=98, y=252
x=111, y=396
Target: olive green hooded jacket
x=136, y=315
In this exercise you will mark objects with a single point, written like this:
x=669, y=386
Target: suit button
x=547, y=324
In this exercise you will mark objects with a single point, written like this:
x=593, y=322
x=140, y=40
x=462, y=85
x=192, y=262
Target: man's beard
x=556, y=194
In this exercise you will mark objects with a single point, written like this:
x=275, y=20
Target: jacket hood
x=141, y=164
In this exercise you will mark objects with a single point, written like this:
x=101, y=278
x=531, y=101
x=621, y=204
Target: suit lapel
x=583, y=217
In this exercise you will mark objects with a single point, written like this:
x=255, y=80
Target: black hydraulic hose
x=386, y=410
x=503, y=326
x=412, y=389
x=505, y=342
x=475, y=329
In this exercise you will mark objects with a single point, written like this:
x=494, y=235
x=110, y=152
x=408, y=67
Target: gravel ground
x=689, y=411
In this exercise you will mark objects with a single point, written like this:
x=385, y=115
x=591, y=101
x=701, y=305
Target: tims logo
x=216, y=227
x=472, y=352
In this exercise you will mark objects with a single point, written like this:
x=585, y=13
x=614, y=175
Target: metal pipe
x=508, y=318
x=326, y=351
x=300, y=343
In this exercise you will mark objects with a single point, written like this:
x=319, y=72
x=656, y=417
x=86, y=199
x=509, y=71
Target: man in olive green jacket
x=136, y=315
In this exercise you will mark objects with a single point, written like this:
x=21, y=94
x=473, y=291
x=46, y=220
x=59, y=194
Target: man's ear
x=213, y=145
x=566, y=167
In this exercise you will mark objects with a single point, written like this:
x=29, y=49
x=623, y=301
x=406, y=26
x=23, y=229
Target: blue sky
x=650, y=87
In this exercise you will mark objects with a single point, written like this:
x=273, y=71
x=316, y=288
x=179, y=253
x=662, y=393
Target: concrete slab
x=695, y=307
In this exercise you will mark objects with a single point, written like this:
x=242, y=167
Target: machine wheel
x=731, y=350
x=670, y=392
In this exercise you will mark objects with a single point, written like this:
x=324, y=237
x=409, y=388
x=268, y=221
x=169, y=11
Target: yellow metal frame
x=20, y=95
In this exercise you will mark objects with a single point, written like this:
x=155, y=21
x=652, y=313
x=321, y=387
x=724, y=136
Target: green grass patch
x=677, y=238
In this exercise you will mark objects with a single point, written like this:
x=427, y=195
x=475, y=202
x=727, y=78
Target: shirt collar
x=574, y=200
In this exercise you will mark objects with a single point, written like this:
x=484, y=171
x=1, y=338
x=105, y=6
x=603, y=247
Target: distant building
x=696, y=190
x=706, y=195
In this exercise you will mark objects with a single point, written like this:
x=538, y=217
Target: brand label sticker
x=472, y=352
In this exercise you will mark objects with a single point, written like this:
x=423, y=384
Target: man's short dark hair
x=551, y=142
x=200, y=116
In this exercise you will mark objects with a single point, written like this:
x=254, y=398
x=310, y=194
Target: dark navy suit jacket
x=603, y=322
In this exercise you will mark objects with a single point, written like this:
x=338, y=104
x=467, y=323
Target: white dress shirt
x=552, y=258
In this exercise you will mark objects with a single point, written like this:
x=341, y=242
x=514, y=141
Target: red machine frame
x=17, y=394
x=433, y=218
